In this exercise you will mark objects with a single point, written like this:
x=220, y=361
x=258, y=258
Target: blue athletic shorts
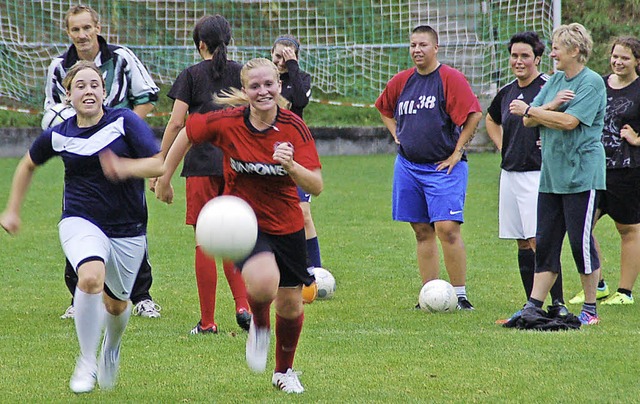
x=304, y=197
x=423, y=195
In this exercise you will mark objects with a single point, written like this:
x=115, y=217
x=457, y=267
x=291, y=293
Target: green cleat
x=601, y=293
x=617, y=299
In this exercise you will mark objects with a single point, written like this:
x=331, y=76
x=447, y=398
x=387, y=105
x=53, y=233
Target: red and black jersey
x=250, y=171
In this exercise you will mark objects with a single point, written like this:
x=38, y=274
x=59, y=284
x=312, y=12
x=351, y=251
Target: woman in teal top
x=570, y=112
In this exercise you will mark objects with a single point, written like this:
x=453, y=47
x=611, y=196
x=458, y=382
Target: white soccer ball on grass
x=438, y=296
x=326, y=283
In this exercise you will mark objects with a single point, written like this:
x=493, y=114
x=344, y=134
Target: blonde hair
x=77, y=67
x=575, y=36
x=234, y=97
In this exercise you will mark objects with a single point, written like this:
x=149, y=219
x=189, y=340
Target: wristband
x=526, y=112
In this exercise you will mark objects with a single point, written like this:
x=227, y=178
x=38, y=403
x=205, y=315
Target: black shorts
x=572, y=214
x=621, y=200
x=290, y=251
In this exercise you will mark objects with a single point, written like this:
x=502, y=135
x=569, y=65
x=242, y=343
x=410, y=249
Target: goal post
x=351, y=48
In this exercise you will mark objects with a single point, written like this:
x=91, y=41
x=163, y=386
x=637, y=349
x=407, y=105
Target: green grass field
x=367, y=344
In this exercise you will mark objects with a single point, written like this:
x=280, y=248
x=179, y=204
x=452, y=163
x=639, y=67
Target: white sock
x=115, y=326
x=461, y=291
x=89, y=319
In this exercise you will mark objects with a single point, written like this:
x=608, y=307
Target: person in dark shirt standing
x=521, y=159
x=202, y=167
x=296, y=88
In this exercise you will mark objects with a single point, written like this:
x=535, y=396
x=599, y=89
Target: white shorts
x=518, y=204
x=122, y=257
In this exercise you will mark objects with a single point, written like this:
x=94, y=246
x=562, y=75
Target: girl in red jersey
x=268, y=151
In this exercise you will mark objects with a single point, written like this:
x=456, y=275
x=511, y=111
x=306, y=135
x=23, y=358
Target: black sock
x=625, y=291
x=556, y=290
x=601, y=283
x=534, y=303
x=527, y=263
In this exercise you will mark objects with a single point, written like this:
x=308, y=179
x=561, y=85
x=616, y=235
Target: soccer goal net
x=351, y=48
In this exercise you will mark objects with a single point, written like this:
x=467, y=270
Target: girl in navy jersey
x=202, y=167
x=106, y=153
x=268, y=151
x=296, y=88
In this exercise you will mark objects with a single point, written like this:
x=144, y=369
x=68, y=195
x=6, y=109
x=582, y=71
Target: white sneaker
x=257, y=347
x=287, y=382
x=108, y=365
x=147, y=308
x=83, y=379
x=68, y=313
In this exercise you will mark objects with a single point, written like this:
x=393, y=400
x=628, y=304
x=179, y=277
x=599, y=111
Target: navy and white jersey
x=127, y=81
x=520, y=145
x=623, y=108
x=429, y=111
x=118, y=208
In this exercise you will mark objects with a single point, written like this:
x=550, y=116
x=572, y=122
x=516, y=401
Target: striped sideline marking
x=342, y=104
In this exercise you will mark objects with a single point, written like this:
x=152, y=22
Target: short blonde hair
x=575, y=36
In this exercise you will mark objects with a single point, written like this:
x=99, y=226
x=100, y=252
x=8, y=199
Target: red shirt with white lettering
x=250, y=171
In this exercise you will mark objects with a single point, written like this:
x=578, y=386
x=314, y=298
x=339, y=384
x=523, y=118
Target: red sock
x=236, y=284
x=260, y=313
x=207, y=281
x=287, y=336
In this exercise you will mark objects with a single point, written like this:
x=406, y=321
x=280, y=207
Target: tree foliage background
x=605, y=19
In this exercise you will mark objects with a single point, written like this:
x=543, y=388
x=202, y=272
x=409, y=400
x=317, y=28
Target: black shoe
x=199, y=330
x=243, y=318
x=557, y=310
x=464, y=304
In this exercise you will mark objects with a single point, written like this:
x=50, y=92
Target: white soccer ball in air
x=326, y=283
x=438, y=296
x=56, y=115
x=227, y=228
